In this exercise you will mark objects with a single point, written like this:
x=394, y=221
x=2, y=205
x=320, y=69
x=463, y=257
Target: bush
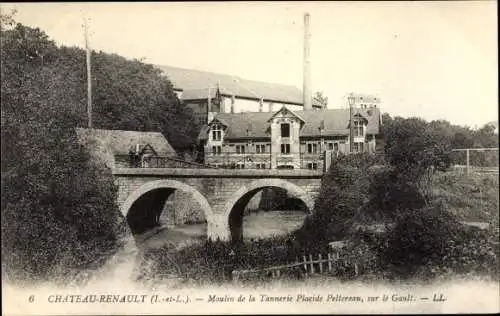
x=430, y=242
x=419, y=237
x=213, y=261
x=390, y=192
x=343, y=192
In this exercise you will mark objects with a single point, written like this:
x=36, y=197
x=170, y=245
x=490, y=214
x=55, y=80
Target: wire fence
x=480, y=160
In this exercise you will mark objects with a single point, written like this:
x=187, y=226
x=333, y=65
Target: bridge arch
x=233, y=208
x=170, y=186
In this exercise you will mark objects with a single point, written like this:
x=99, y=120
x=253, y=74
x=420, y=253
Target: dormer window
x=216, y=132
x=358, y=128
x=285, y=130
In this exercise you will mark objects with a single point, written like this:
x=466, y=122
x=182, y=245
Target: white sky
x=429, y=59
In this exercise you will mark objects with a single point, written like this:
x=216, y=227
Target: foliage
x=472, y=251
x=58, y=210
x=321, y=99
x=7, y=19
x=419, y=236
x=417, y=202
x=389, y=193
x=343, y=192
x=126, y=94
x=213, y=261
x=416, y=149
x=413, y=146
x=470, y=198
x=461, y=136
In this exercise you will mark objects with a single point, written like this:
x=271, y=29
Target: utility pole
x=351, y=138
x=209, y=103
x=89, y=75
x=350, y=100
x=306, y=88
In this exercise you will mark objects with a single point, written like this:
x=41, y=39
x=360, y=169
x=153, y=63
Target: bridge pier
x=218, y=228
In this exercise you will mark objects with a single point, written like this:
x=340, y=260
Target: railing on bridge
x=304, y=160
x=133, y=161
x=253, y=160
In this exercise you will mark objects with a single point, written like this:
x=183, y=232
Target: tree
x=128, y=95
x=486, y=136
x=416, y=149
x=7, y=19
x=58, y=206
x=321, y=99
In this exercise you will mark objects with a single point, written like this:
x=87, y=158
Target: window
x=240, y=149
x=285, y=148
x=284, y=167
x=216, y=132
x=358, y=147
x=312, y=148
x=358, y=128
x=260, y=166
x=260, y=148
x=336, y=146
x=240, y=165
x=330, y=146
x=285, y=130
x=312, y=165
x=216, y=150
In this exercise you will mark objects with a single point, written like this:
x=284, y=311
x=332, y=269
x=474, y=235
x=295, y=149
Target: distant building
x=286, y=139
x=364, y=101
x=230, y=94
x=118, y=148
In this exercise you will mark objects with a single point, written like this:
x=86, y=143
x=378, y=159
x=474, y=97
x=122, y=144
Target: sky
x=435, y=60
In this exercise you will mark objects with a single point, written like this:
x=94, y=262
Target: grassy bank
x=474, y=198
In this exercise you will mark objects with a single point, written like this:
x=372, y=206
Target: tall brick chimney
x=306, y=89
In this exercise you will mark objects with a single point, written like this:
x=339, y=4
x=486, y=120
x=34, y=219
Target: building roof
x=195, y=83
x=334, y=121
x=285, y=111
x=105, y=144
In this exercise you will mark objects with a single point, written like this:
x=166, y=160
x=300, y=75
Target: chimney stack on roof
x=249, y=129
x=306, y=89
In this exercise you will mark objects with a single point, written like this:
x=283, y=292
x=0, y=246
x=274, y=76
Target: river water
x=255, y=225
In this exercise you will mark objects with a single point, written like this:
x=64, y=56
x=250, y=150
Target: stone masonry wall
x=215, y=190
x=218, y=192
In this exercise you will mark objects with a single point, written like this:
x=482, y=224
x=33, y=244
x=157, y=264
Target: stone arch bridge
x=221, y=193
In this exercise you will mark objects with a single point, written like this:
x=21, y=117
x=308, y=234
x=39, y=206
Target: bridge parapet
x=220, y=173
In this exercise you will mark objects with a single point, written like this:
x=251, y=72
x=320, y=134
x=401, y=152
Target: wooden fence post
x=312, y=264
x=467, y=163
x=305, y=263
x=320, y=264
x=330, y=258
